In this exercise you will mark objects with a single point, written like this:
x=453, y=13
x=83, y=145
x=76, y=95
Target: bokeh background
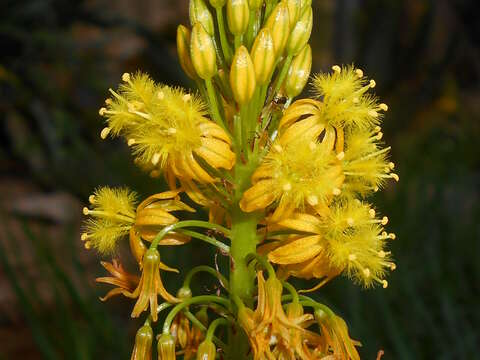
x=59, y=57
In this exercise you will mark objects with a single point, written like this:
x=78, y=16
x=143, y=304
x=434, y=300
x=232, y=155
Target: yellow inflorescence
x=167, y=128
x=284, y=183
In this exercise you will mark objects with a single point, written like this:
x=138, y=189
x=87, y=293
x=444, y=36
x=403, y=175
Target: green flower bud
x=166, y=347
x=206, y=351
x=299, y=72
x=143, y=343
x=279, y=25
x=183, y=50
x=202, y=52
x=294, y=10
x=217, y=4
x=263, y=56
x=184, y=293
x=300, y=33
x=199, y=13
x=238, y=15
x=242, y=76
x=255, y=4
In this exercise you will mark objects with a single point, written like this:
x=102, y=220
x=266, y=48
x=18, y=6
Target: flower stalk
x=285, y=181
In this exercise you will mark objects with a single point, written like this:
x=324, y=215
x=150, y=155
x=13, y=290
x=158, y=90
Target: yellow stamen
x=337, y=69
x=359, y=72
x=126, y=77
x=104, y=133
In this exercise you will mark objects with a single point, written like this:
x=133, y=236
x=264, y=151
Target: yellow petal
x=210, y=129
x=160, y=196
x=302, y=222
x=259, y=196
x=308, y=129
x=149, y=217
x=194, y=193
x=262, y=172
x=302, y=249
x=299, y=108
x=216, y=153
x=284, y=209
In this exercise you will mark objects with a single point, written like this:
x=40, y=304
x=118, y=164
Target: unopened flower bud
x=242, y=76
x=143, y=344
x=202, y=52
x=279, y=25
x=294, y=9
x=206, y=350
x=300, y=33
x=199, y=13
x=299, y=72
x=183, y=50
x=217, y=4
x=263, y=56
x=184, y=293
x=166, y=347
x=237, y=16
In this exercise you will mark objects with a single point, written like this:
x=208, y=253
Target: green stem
x=238, y=39
x=251, y=27
x=227, y=52
x=202, y=327
x=207, y=269
x=208, y=239
x=291, y=290
x=281, y=76
x=188, y=223
x=213, y=326
x=187, y=302
x=263, y=262
x=214, y=104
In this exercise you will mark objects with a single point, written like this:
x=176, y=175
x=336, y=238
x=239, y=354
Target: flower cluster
x=285, y=184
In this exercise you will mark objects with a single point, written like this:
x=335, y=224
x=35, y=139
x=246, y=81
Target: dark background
x=59, y=57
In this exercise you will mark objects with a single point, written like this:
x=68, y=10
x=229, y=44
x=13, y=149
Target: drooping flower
x=151, y=285
x=337, y=341
x=143, y=343
x=168, y=128
x=268, y=328
x=124, y=281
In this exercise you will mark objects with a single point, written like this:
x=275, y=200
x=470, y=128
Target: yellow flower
x=364, y=162
x=168, y=128
x=293, y=175
x=113, y=215
x=346, y=238
x=150, y=285
x=345, y=99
